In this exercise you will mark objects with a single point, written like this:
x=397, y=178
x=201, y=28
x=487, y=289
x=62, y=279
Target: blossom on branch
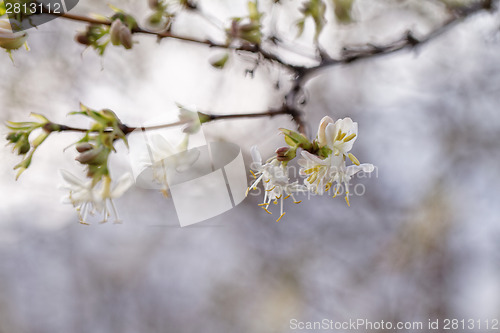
x=275, y=180
x=88, y=199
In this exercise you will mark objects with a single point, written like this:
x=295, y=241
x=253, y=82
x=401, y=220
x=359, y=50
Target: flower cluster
x=322, y=163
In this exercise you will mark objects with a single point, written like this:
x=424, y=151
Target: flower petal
x=365, y=167
x=71, y=179
x=321, y=130
x=256, y=155
x=123, y=184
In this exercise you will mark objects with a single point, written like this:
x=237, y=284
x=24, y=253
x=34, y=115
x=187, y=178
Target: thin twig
x=368, y=51
x=167, y=34
x=211, y=117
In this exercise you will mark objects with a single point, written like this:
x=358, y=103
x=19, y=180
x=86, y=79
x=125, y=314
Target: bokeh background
x=422, y=243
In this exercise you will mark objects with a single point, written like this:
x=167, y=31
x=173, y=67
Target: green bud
x=14, y=137
x=24, y=147
x=23, y=165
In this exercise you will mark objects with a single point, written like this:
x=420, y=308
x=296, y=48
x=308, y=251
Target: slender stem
x=211, y=117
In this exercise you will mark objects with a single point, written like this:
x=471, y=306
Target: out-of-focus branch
x=301, y=74
x=253, y=48
x=368, y=51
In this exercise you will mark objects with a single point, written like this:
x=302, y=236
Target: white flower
x=10, y=40
x=342, y=174
x=87, y=199
x=339, y=136
x=322, y=173
x=159, y=150
x=275, y=180
x=317, y=171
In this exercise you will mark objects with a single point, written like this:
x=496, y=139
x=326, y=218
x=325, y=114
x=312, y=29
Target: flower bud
x=153, y=4
x=114, y=31
x=24, y=148
x=95, y=156
x=10, y=40
x=83, y=147
x=13, y=137
x=126, y=38
x=285, y=154
x=82, y=38
x=120, y=34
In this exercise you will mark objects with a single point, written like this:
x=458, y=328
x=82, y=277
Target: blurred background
x=421, y=243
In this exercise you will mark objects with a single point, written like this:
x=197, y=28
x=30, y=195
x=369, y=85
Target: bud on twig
x=120, y=34
x=83, y=147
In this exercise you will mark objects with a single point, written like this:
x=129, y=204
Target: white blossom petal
x=122, y=185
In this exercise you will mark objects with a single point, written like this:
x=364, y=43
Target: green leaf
x=220, y=62
x=296, y=139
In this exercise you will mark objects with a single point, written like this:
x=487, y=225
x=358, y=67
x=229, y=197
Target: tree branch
x=353, y=54
x=252, y=48
x=210, y=117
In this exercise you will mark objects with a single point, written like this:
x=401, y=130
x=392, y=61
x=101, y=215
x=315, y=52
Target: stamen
x=311, y=170
x=349, y=138
x=263, y=204
x=279, y=196
x=297, y=202
x=253, y=174
x=280, y=217
x=347, y=199
x=264, y=208
x=271, y=188
x=288, y=196
x=338, y=135
x=267, y=181
x=353, y=159
x=342, y=136
x=312, y=178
